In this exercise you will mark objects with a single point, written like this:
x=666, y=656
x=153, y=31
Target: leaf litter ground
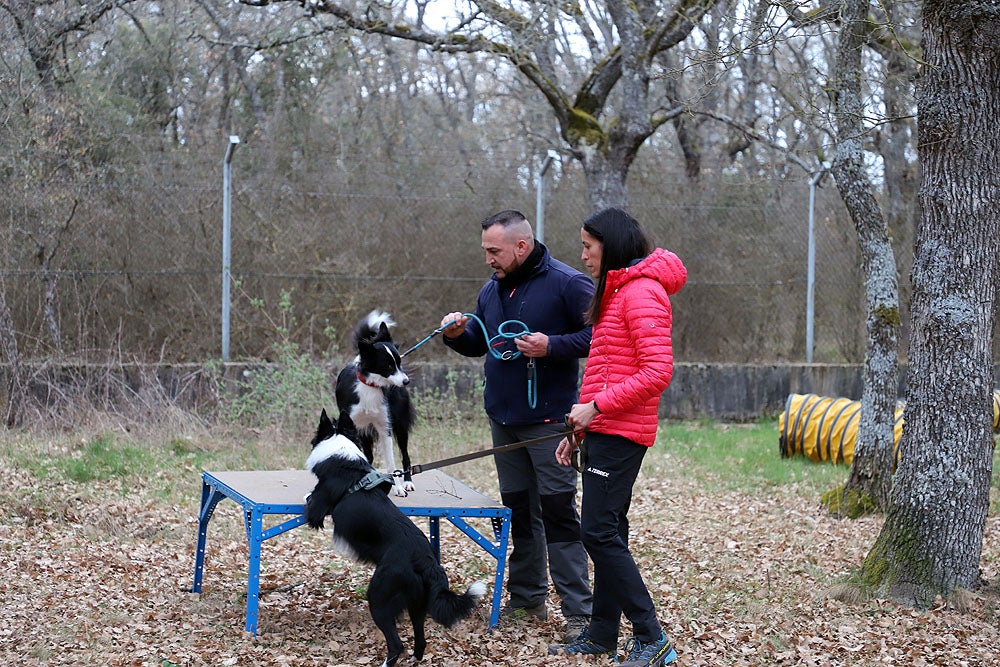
x=100, y=574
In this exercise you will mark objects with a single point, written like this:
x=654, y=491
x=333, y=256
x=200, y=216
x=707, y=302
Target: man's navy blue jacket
x=553, y=300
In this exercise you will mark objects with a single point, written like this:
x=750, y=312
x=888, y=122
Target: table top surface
x=290, y=487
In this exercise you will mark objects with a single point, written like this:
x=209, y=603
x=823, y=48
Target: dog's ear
x=346, y=427
x=325, y=430
x=383, y=334
x=366, y=346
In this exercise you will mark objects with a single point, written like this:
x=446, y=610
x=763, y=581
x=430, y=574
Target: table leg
x=503, y=539
x=255, y=522
x=435, y=537
x=210, y=497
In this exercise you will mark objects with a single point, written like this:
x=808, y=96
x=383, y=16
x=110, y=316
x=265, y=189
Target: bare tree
x=46, y=27
x=48, y=122
x=931, y=542
x=608, y=110
x=871, y=469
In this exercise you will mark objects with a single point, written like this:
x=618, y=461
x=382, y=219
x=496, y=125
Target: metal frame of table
x=282, y=492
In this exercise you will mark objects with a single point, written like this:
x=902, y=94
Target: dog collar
x=370, y=481
x=362, y=380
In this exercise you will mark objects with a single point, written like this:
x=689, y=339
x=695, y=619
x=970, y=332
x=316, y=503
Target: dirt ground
x=100, y=574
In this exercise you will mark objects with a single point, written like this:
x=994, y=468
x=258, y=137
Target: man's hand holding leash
x=453, y=324
x=530, y=344
x=578, y=419
x=533, y=344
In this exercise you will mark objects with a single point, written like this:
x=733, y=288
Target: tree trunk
x=871, y=469
x=931, y=542
x=8, y=344
x=48, y=243
x=895, y=141
x=605, y=181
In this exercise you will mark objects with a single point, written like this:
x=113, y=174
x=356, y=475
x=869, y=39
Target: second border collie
x=368, y=526
x=372, y=398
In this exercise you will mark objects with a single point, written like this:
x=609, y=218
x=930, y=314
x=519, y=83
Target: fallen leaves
x=103, y=576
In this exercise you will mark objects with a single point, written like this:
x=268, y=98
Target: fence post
x=234, y=141
x=540, y=196
x=811, y=266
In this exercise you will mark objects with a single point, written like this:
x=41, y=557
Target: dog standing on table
x=369, y=527
x=372, y=398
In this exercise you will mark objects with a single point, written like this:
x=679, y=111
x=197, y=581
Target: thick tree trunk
x=605, y=182
x=931, y=542
x=871, y=469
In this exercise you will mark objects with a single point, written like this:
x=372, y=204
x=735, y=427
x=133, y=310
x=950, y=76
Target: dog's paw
x=409, y=486
x=399, y=490
x=314, y=521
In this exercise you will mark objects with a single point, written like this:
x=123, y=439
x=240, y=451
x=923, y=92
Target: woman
x=628, y=368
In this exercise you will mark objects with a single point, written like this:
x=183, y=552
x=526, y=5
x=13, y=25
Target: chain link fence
x=131, y=266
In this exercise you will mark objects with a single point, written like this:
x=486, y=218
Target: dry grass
x=98, y=572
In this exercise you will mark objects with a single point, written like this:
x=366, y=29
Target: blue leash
x=502, y=335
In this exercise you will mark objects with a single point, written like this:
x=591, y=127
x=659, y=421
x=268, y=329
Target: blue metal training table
x=282, y=492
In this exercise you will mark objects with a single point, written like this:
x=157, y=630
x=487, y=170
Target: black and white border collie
x=372, y=398
x=369, y=527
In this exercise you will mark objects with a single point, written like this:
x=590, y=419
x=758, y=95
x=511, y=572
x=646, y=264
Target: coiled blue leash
x=502, y=336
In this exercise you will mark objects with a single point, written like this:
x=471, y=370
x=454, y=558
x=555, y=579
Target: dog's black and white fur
x=369, y=527
x=372, y=398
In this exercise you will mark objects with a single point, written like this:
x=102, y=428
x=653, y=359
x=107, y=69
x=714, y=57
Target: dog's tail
x=448, y=607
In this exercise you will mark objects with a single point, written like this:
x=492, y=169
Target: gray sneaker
x=582, y=645
x=521, y=613
x=575, y=625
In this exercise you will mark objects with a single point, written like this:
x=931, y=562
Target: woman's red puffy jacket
x=631, y=357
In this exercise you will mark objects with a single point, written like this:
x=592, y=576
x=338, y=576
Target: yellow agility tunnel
x=824, y=429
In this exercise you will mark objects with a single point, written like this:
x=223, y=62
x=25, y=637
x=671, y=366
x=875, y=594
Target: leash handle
x=502, y=335
x=575, y=437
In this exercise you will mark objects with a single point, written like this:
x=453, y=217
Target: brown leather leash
x=571, y=434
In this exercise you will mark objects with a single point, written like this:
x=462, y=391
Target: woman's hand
x=578, y=419
x=581, y=414
x=564, y=452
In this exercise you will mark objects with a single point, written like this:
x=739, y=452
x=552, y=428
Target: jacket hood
x=661, y=265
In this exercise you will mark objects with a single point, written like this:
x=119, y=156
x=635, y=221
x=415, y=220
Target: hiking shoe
x=575, y=625
x=649, y=654
x=521, y=613
x=582, y=645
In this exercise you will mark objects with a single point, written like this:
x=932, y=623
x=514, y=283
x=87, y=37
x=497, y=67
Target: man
x=531, y=382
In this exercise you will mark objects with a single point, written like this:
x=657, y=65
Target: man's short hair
x=515, y=226
x=504, y=219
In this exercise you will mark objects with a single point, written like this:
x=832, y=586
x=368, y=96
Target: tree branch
x=754, y=133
